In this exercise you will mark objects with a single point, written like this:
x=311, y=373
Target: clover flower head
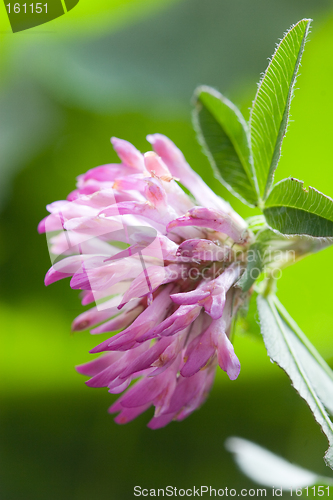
x=161, y=267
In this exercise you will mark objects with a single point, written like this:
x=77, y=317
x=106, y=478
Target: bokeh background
x=128, y=68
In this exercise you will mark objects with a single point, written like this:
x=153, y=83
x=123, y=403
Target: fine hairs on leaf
x=291, y=209
x=224, y=136
x=270, y=109
x=244, y=157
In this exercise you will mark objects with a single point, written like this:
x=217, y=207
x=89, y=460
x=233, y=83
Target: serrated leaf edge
x=201, y=140
x=328, y=459
x=285, y=117
x=307, y=191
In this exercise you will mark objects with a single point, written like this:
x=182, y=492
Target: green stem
x=269, y=287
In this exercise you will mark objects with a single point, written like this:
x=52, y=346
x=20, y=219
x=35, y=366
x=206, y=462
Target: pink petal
x=200, y=396
x=93, y=226
x=190, y=298
x=155, y=193
x=212, y=219
x=52, y=276
x=158, y=389
x=170, y=354
x=87, y=297
x=130, y=183
x=187, y=388
x=146, y=283
x=49, y=224
x=227, y=358
x=119, y=385
x=151, y=278
x=97, y=199
x=178, y=321
x=105, y=276
x=56, y=206
x=105, y=377
x=143, y=392
x=142, y=209
x=204, y=250
x=154, y=164
x=211, y=294
x=161, y=421
x=128, y=414
x=162, y=401
x=179, y=168
x=99, y=364
x=146, y=359
x=93, y=316
x=106, y=173
x=128, y=154
x=151, y=316
x=69, y=266
x=199, y=355
x=119, y=322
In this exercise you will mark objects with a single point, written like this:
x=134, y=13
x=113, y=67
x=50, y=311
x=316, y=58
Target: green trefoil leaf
x=292, y=210
x=270, y=110
x=224, y=136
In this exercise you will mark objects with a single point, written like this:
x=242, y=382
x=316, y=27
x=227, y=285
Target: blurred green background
x=128, y=68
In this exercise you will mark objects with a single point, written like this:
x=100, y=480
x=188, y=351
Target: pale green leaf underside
x=270, y=110
x=290, y=209
x=308, y=372
x=268, y=469
x=223, y=133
